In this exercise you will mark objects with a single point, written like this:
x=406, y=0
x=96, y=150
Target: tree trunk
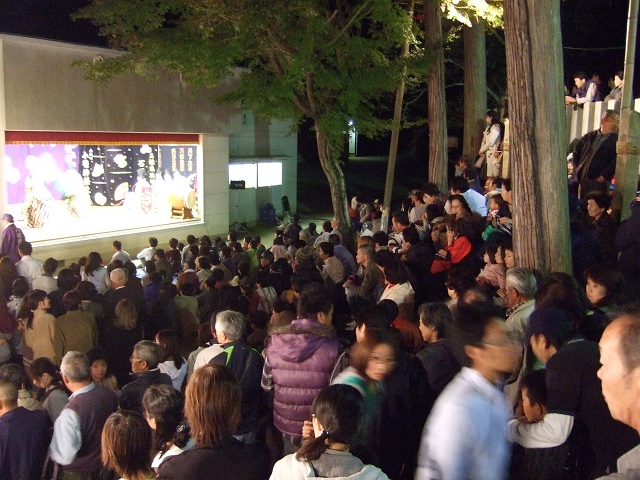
x=436, y=99
x=329, y=153
x=536, y=115
x=475, y=88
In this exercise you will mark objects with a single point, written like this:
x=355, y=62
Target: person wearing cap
x=266, y=259
x=11, y=238
x=578, y=422
x=620, y=377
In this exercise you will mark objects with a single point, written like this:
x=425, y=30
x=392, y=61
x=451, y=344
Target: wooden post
x=536, y=112
x=475, y=88
x=628, y=146
x=436, y=98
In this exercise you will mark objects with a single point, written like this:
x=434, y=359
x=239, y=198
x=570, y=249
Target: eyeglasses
x=134, y=359
x=509, y=341
x=383, y=361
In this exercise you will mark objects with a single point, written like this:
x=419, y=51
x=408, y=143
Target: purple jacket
x=11, y=237
x=301, y=356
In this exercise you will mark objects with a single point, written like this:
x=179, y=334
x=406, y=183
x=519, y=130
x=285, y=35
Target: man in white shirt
x=206, y=354
x=118, y=253
x=28, y=267
x=476, y=201
x=464, y=435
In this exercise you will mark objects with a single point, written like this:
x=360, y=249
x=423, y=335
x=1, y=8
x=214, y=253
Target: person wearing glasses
x=145, y=372
x=464, y=434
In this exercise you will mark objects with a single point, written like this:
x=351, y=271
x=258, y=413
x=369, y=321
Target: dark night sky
x=48, y=19
x=593, y=30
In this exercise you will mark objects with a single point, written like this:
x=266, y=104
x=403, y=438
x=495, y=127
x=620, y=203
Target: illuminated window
x=244, y=171
x=269, y=174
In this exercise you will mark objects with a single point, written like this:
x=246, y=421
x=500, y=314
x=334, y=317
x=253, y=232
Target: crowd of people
x=423, y=352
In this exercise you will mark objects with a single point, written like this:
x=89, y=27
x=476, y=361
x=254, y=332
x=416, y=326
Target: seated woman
x=398, y=288
x=126, y=443
x=337, y=413
x=458, y=245
x=601, y=224
x=212, y=409
x=604, y=287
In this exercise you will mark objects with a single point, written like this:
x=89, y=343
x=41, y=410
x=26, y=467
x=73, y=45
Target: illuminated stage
x=101, y=222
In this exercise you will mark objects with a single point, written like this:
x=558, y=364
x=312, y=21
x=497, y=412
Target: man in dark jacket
x=628, y=244
x=246, y=364
x=594, y=157
x=24, y=436
x=300, y=358
x=144, y=365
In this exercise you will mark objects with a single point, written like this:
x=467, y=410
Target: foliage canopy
x=330, y=61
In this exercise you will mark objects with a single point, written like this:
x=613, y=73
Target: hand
x=568, y=100
x=307, y=430
x=451, y=236
x=502, y=294
x=601, y=179
x=442, y=252
x=504, y=220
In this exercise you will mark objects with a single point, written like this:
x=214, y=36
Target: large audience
x=401, y=354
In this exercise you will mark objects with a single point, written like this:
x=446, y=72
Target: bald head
x=619, y=372
x=118, y=277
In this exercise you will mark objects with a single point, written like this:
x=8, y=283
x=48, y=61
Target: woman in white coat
x=490, y=144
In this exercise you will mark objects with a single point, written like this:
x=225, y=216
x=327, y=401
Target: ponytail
x=312, y=449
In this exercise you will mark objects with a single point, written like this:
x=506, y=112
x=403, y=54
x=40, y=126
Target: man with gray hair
x=76, y=434
x=145, y=372
x=520, y=288
x=24, y=436
x=246, y=364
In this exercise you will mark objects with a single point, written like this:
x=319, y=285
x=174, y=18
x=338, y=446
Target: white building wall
x=40, y=90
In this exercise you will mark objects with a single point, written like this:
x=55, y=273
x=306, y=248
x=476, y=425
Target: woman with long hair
x=490, y=144
x=126, y=443
x=337, y=413
x=8, y=273
x=122, y=336
x=54, y=395
x=173, y=363
x=39, y=327
x=164, y=410
x=212, y=409
x=96, y=273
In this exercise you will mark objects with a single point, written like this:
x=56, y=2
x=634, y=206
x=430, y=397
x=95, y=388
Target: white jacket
x=291, y=469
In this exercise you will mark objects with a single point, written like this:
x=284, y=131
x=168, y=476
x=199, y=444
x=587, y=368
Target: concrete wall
x=40, y=90
x=261, y=140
